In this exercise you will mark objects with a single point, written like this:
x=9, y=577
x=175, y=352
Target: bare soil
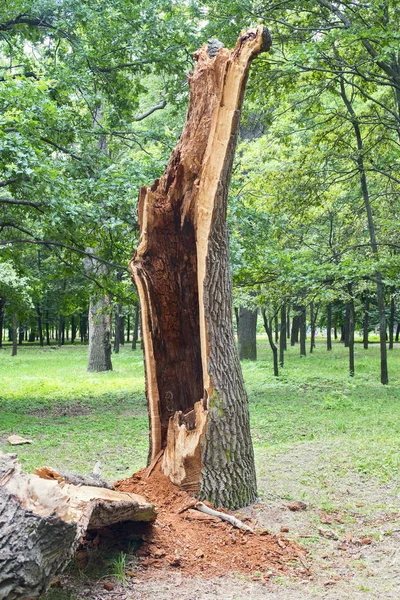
x=350, y=532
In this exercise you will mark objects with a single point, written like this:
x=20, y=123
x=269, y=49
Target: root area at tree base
x=185, y=539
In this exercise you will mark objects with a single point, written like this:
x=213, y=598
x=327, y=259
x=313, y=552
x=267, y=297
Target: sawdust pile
x=185, y=539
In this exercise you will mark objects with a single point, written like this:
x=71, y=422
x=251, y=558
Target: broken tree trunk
x=198, y=407
x=42, y=519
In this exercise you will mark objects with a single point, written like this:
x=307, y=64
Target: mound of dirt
x=186, y=539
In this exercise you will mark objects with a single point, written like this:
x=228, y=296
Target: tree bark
x=303, y=330
x=351, y=321
x=14, y=335
x=198, y=406
x=2, y=305
x=313, y=322
x=135, y=333
x=73, y=329
x=366, y=323
x=391, y=320
x=42, y=520
x=329, y=328
x=100, y=335
x=294, y=337
x=397, y=332
x=117, y=333
x=282, y=336
x=268, y=329
x=247, y=334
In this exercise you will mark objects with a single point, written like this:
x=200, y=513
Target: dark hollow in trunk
x=198, y=408
x=247, y=334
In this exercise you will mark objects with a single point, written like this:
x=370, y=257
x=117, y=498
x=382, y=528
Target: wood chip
x=17, y=440
x=296, y=506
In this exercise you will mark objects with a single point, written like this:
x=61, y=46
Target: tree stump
x=198, y=408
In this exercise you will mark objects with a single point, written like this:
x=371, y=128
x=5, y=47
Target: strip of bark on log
x=42, y=521
x=198, y=407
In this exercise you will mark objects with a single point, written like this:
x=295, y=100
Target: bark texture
x=42, y=519
x=247, y=334
x=198, y=407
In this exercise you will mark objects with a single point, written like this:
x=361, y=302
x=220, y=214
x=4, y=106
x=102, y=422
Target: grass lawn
x=76, y=418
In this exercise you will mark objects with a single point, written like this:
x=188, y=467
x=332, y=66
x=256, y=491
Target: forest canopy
x=93, y=97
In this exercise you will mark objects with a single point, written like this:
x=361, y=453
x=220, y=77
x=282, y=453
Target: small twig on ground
x=225, y=517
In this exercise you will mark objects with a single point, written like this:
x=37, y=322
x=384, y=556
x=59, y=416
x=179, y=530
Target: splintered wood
x=42, y=520
x=185, y=293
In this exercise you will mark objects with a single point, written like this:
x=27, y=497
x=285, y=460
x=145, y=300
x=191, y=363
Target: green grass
x=76, y=418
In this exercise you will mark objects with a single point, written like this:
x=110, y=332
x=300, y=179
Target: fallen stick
x=225, y=517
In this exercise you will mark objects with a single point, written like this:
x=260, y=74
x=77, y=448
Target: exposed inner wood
x=169, y=267
x=42, y=520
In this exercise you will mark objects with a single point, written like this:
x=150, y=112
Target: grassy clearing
x=76, y=418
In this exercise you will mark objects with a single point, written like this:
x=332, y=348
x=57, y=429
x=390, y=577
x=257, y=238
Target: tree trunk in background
x=313, y=322
x=39, y=323
x=128, y=329
x=303, y=330
x=287, y=324
x=73, y=329
x=346, y=329
x=14, y=335
x=391, y=320
x=294, y=338
x=198, y=407
x=236, y=310
x=100, y=335
x=121, y=328
x=276, y=328
x=329, y=328
x=366, y=323
x=335, y=333
x=21, y=335
x=247, y=334
x=268, y=329
x=351, y=337
x=2, y=305
x=380, y=290
x=282, y=337
x=117, y=333
x=135, y=332
x=397, y=332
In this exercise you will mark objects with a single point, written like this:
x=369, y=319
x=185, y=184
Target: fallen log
x=42, y=520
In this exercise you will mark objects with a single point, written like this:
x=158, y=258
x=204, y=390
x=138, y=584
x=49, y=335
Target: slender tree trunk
x=351, y=321
x=276, y=327
x=391, y=320
x=247, y=334
x=128, y=329
x=121, y=329
x=282, y=337
x=335, y=335
x=287, y=324
x=40, y=324
x=397, y=332
x=135, y=327
x=21, y=335
x=366, y=323
x=117, y=334
x=346, y=328
x=380, y=293
x=198, y=406
x=268, y=329
x=294, y=338
x=329, y=329
x=14, y=335
x=73, y=329
x=303, y=331
x=2, y=305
